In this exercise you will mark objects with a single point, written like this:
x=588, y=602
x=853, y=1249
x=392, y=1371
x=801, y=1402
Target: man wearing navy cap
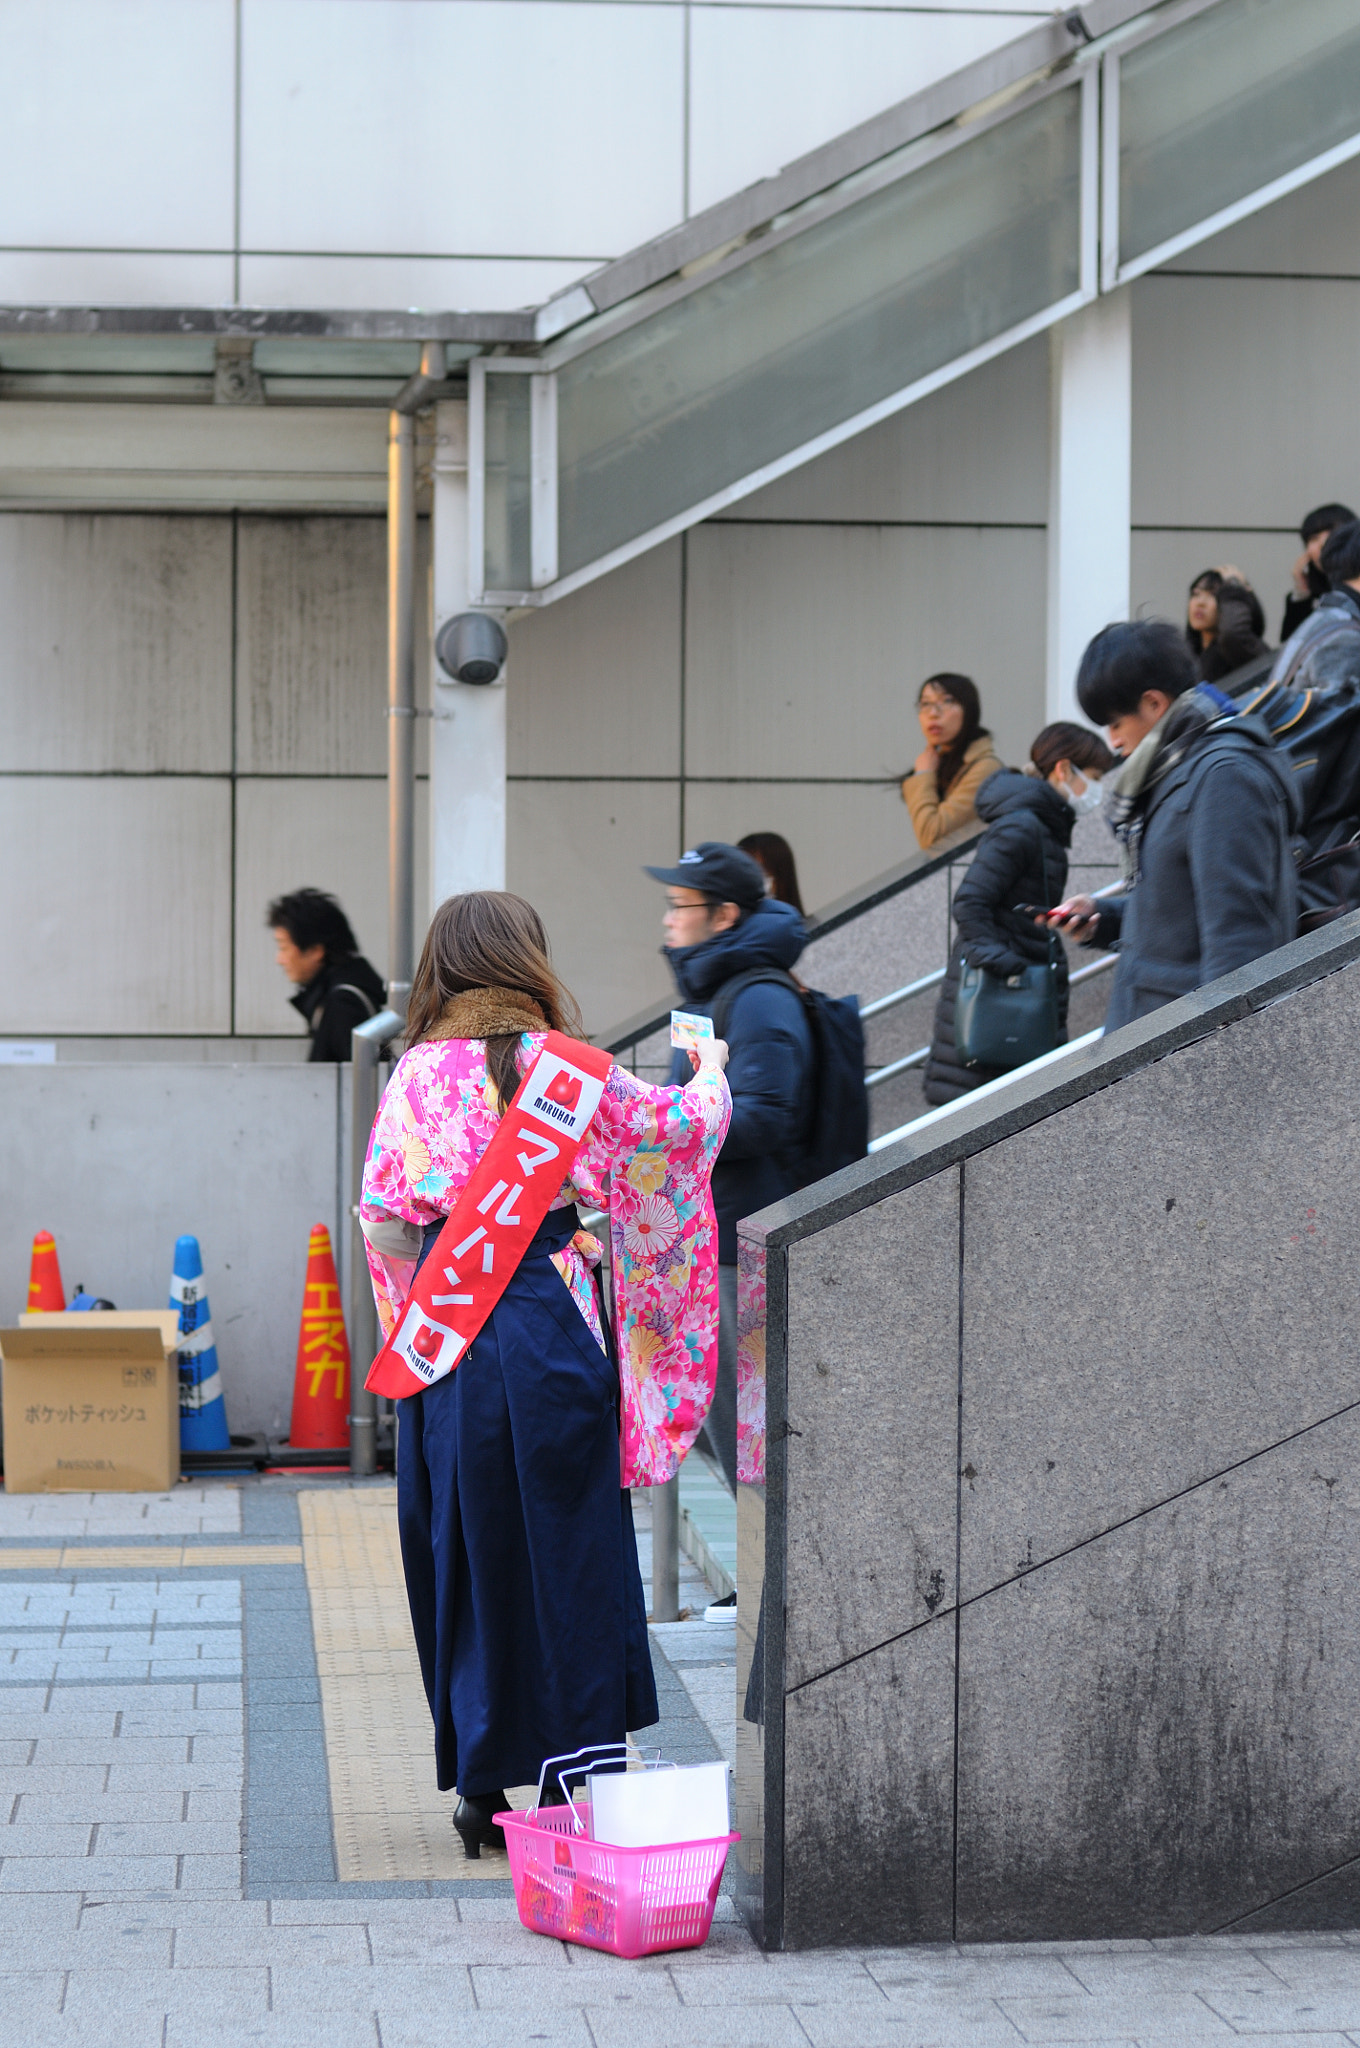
x=731, y=948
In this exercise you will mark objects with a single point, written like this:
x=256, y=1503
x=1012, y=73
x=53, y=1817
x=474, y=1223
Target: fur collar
x=489, y=1013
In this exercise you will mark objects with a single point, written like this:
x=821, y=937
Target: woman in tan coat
x=957, y=758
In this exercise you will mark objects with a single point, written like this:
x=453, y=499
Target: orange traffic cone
x=44, y=1274
x=320, y=1419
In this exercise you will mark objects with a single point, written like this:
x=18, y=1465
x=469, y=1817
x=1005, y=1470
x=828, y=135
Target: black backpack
x=837, y=1132
x=1318, y=732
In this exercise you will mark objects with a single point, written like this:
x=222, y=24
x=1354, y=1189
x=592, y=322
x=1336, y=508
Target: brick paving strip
x=168, y=1873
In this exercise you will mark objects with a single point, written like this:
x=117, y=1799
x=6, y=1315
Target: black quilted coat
x=1021, y=858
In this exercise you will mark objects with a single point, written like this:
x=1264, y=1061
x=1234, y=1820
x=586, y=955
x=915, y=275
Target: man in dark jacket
x=1326, y=648
x=336, y=987
x=719, y=925
x=1205, y=811
x=1310, y=578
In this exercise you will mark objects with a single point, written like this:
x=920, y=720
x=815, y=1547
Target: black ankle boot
x=472, y=1818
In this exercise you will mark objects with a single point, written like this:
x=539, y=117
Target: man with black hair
x=1310, y=579
x=317, y=950
x=730, y=948
x=1326, y=648
x=1204, y=810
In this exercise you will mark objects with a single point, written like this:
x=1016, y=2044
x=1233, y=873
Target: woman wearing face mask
x=957, y=758
x=1021, y=859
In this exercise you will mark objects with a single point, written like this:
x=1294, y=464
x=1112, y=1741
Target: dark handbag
x=1007, y=1020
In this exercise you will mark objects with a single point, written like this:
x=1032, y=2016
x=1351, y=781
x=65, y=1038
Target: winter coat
x=1217, y=884
x=770, y=1062
x=345, y=993
x=1326, y=647
x=1021, y=858
x=1238, y=637
x=934, y=816
x=1296, y=608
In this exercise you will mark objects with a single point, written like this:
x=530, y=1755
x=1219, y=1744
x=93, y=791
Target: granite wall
x=1060, y=1521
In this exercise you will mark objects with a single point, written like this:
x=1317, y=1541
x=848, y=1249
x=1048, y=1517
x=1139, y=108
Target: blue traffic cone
x=202, y=1411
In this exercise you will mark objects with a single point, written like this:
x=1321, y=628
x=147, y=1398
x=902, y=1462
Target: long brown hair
x=488, y=939
x=771, y=851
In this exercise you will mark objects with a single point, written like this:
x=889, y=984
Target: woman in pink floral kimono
x=512, y=1472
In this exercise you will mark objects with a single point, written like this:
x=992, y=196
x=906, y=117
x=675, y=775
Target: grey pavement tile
x=827, y=2026
x=87, y=1873
x=20, y=1699
x=95, y=2030
x=463, y=1941
x=1297, y=2012
x=222, y=1995
x=1161, y=2016
x=1233, y=1970
x=758, y=2026
x=39, y=1913
x=165, y=1838
x=780, y=1979
x=294, y=2030
x=334, y=1912
x=501, y=1988
x=210, y=1873
x=395, y=1988
x=14, y=1751
x=45, y=1838
x=86, y=1804
x=78, y=1733
x=118, y=1699
x=223, y=1804
x=487, y=2030
x=215, y=1946
x=1317, y=1969
x=180, y=1774
x=125, y=1942
x=119, y=1750
x=212, y=1693
x=61, y=1779
x=906, y=1972
x=231, y=1915
x=24, y=1993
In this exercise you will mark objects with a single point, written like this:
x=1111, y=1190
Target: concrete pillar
x=1089, y=490
x=467, y=741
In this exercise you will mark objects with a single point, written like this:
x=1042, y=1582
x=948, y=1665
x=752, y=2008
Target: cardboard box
x=91, y=1402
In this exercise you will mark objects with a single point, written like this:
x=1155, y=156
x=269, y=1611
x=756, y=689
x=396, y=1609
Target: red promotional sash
x=489, y=1228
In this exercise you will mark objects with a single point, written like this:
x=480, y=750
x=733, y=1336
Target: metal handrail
x=901, y=995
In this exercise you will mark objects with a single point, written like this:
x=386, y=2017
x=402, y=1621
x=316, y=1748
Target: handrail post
x=366, y=1043
x=666, y=1550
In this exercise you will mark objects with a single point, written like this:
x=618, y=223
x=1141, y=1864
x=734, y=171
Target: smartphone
x=1032, y=910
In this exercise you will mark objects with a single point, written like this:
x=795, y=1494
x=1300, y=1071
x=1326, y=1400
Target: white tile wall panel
x=116, y=123
x=807, y=645
x=116, y=648
x=311, y=647
x=767, y=84
x=99, y=277
x=320, y=834
x=1164, y=563
x=463, y=284
x=975, y=451
x=841, y=834
x=116, y=910
x=1238, y=418
x=54, y=452
x=1314, y=232
x=576, y=851
x=494, y=127
x=594, y=681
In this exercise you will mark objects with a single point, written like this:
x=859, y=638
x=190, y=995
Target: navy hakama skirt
x=517, y=1540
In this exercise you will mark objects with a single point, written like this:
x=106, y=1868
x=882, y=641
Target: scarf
x=489, y=1013
x=1177, y=732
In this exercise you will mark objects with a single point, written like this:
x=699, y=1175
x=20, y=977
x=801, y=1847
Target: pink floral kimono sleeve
x=647, y=1159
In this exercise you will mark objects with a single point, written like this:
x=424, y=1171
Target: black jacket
x=1021, y=858
x=1326, y=647
x=769, y=1069
x=345, y=993
x=1296, y=608
x=1217, y=885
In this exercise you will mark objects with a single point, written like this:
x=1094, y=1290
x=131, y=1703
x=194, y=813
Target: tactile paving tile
x=390, y=1819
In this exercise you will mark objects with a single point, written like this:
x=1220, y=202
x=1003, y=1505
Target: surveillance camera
x=471, y=648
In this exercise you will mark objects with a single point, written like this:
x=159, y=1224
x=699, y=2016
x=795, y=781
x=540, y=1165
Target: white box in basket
x=646, y=1809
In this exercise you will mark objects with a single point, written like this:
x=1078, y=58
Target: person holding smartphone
x=1204, y=810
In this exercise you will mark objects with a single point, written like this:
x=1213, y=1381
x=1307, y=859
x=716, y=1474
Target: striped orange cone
x=44, y=1274
x=320, y=1420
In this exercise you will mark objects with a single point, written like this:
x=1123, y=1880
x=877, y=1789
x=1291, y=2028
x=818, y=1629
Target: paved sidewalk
x=168, y=1844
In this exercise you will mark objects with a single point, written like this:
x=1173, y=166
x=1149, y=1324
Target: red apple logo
x=564, y=1089
x=427, y=1342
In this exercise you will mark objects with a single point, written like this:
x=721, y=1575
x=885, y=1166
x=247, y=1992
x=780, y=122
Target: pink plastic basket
x=631, y=1902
